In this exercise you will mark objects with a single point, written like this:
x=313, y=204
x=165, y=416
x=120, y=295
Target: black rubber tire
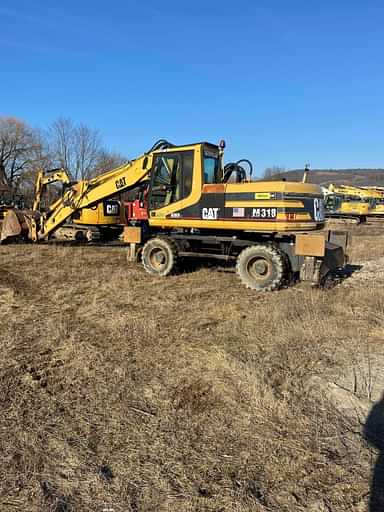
x=269, y=275
x=159, y=256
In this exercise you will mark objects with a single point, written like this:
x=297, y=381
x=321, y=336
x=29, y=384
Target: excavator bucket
x=16, y=226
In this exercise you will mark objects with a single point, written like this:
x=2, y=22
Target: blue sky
x=284, y=82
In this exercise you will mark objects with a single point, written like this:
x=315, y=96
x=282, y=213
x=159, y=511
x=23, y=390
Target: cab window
x=211, y=169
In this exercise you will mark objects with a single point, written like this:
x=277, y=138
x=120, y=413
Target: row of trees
x=64, y=144
x=275, y=170
x=73, y=146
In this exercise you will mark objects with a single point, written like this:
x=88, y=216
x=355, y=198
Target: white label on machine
x=318, y=209
x=210, y=213
x=264, y=213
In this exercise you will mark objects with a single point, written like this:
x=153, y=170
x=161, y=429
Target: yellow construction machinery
x=188, y=204
x=360, y=203
x=101, y=221
x=346, y=202
x=8, y=201
x=376, y=195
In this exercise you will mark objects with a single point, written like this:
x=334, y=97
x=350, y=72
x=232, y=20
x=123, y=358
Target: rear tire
x=261, y=267
x=159, y=256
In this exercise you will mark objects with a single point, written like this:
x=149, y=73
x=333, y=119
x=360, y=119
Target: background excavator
x=346, y=202
x=377, y=199
x=103, y=221
x=188, y=204
x=349, y=202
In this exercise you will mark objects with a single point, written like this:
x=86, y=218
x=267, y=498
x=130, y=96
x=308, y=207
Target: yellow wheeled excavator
x=188, y=204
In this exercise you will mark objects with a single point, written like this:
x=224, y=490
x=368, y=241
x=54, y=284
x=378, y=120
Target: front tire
x=261, y=267
x=159, y=256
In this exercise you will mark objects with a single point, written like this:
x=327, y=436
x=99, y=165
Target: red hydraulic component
x=138, y=208
x=135, y=210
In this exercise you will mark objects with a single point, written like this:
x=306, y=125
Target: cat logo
x=318, y=210
x=210, y=213
x=112, y=209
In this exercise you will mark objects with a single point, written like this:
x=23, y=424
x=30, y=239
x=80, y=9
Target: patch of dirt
x=370, y=274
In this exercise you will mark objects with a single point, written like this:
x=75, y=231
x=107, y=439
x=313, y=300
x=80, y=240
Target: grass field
x=125, y=392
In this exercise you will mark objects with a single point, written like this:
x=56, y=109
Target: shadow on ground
x=374, y=434
x=348, y=271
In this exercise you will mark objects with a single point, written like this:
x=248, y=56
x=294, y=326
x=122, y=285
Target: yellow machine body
x=376, y=198
x=358, y=208
x=378, y=209
x=355, y=201
x=261, y=206
x=105, y=213
x=347, y=202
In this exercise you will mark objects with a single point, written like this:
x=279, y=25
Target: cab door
x=171, y=180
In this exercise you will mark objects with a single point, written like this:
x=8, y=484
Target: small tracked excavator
x=350, y=202
x=346, y=202
x=188, y=204
x=103, y=221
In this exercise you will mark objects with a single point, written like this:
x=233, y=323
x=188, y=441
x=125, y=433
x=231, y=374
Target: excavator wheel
x=261, y=267
x=159, y=256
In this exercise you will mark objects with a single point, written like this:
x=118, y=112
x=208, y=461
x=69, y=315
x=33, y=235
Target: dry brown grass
x=191, y=393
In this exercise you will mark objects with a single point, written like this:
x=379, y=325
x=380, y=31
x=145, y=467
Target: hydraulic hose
x=160, y=144
x=241, y=174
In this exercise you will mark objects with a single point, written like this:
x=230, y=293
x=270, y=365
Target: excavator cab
x=178, y=173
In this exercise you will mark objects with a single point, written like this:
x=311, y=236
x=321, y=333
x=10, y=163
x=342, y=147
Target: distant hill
x=358, y=177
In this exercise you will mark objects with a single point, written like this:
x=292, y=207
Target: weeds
x=124, y=391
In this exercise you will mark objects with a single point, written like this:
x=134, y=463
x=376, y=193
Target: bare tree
x=40, y=159
x=75, y=147
x=24, y=150
x=19, y=146
x=269, y=172
x=107, y=161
